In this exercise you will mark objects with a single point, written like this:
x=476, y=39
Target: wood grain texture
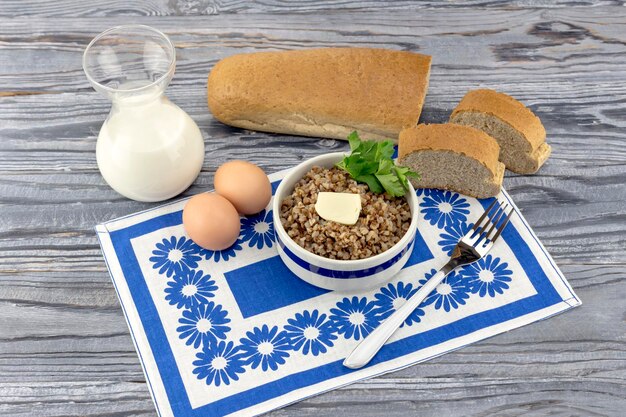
x=95, y=8
x=65, y=349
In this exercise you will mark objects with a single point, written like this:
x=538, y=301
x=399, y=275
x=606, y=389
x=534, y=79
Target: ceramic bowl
x=332, y=274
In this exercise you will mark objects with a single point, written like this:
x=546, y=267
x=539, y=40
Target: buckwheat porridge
x=382, y=222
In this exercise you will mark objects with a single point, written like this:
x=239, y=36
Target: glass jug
x=148, y=148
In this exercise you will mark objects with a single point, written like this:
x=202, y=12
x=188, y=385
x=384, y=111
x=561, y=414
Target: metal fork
x=473, y=246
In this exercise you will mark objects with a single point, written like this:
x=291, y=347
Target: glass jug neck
x=140, y=98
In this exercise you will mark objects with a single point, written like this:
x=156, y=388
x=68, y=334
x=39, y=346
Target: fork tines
x=497, y=215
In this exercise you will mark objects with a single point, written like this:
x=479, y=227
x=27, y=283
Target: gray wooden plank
x=501, y=397
x=509, y=46
x=135, y=8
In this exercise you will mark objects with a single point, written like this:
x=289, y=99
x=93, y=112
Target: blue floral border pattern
x=204, y=324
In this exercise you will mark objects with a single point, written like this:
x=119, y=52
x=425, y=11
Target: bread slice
x=326, y=92
x=522, y=137
x=452, y=157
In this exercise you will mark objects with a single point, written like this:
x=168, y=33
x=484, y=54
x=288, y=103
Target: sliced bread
x=328, y=92
x=452, y=157
x=520, y=134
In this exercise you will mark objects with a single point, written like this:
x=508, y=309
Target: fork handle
x=369, y=347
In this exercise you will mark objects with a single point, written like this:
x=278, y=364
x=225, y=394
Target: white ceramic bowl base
x=332, y=274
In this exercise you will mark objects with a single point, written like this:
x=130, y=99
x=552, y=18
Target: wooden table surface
x=65, y=349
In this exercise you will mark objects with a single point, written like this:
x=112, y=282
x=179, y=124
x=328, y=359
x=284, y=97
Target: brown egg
x=245, y=185
x=211, y=221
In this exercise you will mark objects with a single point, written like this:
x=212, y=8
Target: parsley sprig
x=371, y=162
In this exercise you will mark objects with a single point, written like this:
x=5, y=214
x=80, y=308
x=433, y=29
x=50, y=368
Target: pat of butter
x=342, y=208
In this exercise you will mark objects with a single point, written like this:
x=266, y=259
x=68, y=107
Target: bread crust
x=325, y=92
x=460, y=139
x=507, y=109
x=542, y=154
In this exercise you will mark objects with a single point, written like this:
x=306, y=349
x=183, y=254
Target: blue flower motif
x=203, y=324
x=258, y=230
x=451, y=293
x=487, y=276
x=219, y=255
x=422, y=192
x=443, y=207
x=219, y=363
x=189, y=289
x=174, y=256
x=452, y=234
x=354, y=317
x=265, y=347
x=391, y=297
x=310, y=332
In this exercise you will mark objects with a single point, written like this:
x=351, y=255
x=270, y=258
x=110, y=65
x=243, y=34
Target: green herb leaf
x=354, y=140
x=372, y=182
x=371, y=162
x=357, y=166
x=404, y=173
x=385, y=166
x=385, y=150
x=392, y=185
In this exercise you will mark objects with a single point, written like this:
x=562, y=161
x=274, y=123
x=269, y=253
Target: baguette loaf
x=452, y=157
x=520, y=134
x=326, y=92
